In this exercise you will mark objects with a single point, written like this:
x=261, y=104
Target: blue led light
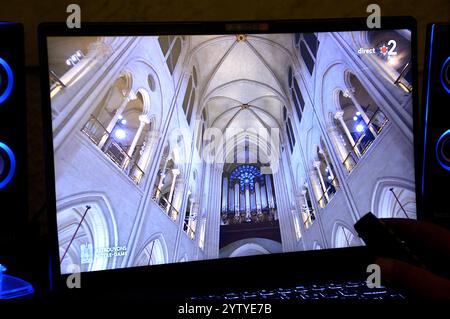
x=445, y=85
x=12, y=166
x=426, y=108
x=10, y=80
x=447, y=164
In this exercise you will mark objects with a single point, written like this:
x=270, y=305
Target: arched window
x=308, y=214
x=189, y=96
x=296, y=95
x=312, y=42
x=289, y=129
x=171, y=47
x=190, y=218
x=359, y=123
x=116, y=127
x=201, y=131
x=343, y=237
x=84, y=225
x=152, y=254
x=327, y=176
x=308, y=46
x=394, y=202
x=168, y=185
x=306, y=56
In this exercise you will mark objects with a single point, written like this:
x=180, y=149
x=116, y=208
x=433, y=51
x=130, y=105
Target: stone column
x=161, y=180
x=317, y=188
x=307, y=212
x=224, y=194
x=231, y=197
x=151, y=142
x=175, y=173
x=324, y=188
x=142, y=122
x=322, y=152
x=339, y=116
x=247, y=202
x=114, y=120
x=258, y=197
x=213, y=220
x=177, y=200
x=263, y=196
x=236, y=198
x=337, y=143
x=284, y=212
x=349, y=93
x=270, y=201
x=193, y=218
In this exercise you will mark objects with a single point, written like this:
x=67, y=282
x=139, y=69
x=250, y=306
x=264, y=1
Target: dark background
x=33, y=12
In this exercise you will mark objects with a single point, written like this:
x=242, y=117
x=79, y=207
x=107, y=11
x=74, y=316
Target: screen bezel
x=303, y=265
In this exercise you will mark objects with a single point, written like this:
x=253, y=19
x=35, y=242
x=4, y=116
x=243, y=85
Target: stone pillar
x=321, y=151
x=236, y=198
x=177, y=200
x=114, y=120
x=213, y=219
x=307, y=211
x=337, y=143
x=258, y=197
x=151, y=142
x=161, y=180
x=339, y=116
x=319, y=173
x=270, y=201
x=193, y=218
x=287, y=226
x=142, y=122
x=231, y=197
x=118, y=113
x=349, y=93
x=317, y=188
x=247, y=203
x=224, y=194
x=263, y=196
x=175, y=173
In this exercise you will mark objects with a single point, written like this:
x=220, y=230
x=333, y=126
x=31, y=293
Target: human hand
x=433, y=243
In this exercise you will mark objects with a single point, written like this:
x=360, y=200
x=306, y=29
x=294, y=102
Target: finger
x=413, y=280
x=423, y=234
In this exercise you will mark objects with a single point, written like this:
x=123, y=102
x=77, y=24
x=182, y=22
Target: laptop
x=201, y=159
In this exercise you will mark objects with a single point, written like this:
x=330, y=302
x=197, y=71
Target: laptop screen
x=180, y=148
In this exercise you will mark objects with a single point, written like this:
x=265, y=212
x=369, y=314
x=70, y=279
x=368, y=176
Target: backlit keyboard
x=356, y=290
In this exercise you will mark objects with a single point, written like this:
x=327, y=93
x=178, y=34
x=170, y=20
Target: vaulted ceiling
x=242, y=79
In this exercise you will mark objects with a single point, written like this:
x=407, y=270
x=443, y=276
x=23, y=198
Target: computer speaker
x=436, y=125
x=13, y=137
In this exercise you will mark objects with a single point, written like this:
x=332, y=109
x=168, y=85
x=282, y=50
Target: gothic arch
x=98, y=229
x=153, y=252
x=248, y=249
x=142, y=69
x=316, y=245
x=326, y=95
x=250, y=246
x=342, y=235
x=394, y=197
x=146, y=109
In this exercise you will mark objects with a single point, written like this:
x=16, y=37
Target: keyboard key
x=353, y=290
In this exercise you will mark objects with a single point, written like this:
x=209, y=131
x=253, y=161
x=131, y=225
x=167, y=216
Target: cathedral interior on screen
x=182, y=148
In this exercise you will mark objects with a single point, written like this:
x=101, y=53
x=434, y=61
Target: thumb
x=415, y=281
